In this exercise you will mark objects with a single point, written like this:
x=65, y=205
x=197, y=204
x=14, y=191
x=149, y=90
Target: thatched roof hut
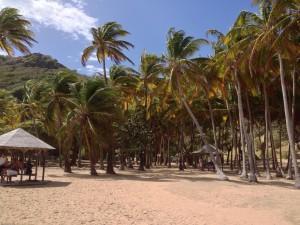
x=20, y=140
x=21, y=143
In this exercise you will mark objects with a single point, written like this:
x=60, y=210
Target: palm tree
x=107, y=44
x=56, y=98
x=150, y=67
x=94, y=109
x=180, y=65
x=33, y=102
x=14, y=32
x=277, y=25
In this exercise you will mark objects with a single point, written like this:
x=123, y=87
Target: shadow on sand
x=167, y=175
x=45, y=184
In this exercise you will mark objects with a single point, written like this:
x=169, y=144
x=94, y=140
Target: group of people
x=13, y=167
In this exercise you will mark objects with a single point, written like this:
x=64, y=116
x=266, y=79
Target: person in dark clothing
x=28, y=167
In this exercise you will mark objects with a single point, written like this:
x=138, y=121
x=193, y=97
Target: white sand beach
x=162, y=196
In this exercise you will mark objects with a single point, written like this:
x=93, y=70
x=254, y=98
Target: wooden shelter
x=21, y=144
x=201, y=156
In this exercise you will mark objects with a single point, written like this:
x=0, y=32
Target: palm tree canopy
x=107, y=44
x=14, y=32
x=180, y=46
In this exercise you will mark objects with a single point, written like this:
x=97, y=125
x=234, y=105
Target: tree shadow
x=167, y=175
x=172, y=175
x=37, y=184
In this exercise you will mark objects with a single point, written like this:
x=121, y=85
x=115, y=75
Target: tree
x=107, y=44
x=15, y=32
x=281, y=21
x=94, y=110
x=57, y=103
x=179, y=64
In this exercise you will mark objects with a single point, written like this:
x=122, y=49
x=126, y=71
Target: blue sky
x=62, y=26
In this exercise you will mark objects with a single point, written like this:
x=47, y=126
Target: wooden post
x=43, y=163
x=36, y=166
x=23, y=158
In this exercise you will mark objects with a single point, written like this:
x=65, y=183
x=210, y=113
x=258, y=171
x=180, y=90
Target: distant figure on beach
x=28, y=167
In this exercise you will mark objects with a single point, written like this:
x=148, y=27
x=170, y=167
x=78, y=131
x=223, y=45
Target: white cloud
x=2, y=52
x=63, y=15
x=79, y=3
x=93, y=58
x=91, y=69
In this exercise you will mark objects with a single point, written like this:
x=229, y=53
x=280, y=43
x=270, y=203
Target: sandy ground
x=159, y=196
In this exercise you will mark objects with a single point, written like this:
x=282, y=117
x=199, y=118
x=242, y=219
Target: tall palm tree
x=94, y=109
x=277, y=25
x=33, y=103
x=56, y=98
x=107, y=44
x=180, y=65
x=15, y=32
x=150, y=67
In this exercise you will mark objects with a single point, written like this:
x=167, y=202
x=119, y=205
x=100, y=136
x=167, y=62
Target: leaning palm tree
x=107, y=44
x=15, y=32
x=180, y=66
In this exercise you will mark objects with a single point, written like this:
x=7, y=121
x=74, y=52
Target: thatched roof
x=19, y=139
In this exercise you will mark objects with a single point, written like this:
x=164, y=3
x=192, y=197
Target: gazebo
x=22, y=144
x=203, y=154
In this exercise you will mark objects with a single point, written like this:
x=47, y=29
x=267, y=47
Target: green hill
x=14, y=72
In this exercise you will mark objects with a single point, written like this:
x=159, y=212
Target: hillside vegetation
x=14, y=72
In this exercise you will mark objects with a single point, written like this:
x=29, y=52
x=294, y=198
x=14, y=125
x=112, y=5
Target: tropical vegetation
x=234, y=110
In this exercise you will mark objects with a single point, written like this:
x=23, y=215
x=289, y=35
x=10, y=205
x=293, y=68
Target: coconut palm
x=33, y=103
x=180, y=65
x=94, y=109
x=150, y=67
x=232, y=58
x=15, y=32
x=56, y=98
x=276, y=24
x=107, y=44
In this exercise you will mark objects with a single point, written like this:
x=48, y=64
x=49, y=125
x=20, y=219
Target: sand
x=159, y=196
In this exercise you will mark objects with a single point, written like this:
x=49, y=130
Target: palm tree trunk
x=289, y=123
x=110, y=159
x=122, y=160
x=101, y=160
x=67, y=165
x=212, y=119
x=251, y=134
x=241, y=113
x=169, y=156
x=181, y=167
x=142, y=160
x=104, y=71
x=268, y=174
x=211, y=113
x=79, y=149
x=59, y=138
x=232, y=132
x=92, y=161
x=252, y=177
x=222, y=176
x=280, y=148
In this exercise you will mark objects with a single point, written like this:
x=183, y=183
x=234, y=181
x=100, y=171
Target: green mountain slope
x=14, y=72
